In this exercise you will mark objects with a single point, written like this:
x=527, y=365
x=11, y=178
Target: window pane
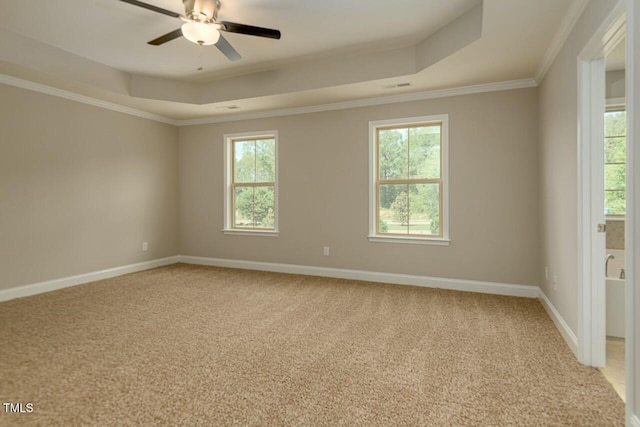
x=393, y=152
x=424, y=209
x=244, y=163
x=266, y=160
x=264, y=207
x=615, y=177
x=615, y=123
x=243, y=203
x=424, y=152
x=615, y=150
x=615, y=203
x=394, y=209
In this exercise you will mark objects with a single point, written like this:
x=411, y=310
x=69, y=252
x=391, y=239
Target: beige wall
x=614, y=88
x=324, y=191
x=558, y=165
x=80, y=188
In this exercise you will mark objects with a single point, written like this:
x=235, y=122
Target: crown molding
x=61, y=93
x=566, y=26
x=367, y=102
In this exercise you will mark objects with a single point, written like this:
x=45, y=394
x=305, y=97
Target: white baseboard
x=65, y=282
x=371, y=276
x=565, y=330
x=634, y=421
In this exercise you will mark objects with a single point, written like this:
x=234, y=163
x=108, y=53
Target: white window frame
x=614, y=107
x=444, y=175
x=228, y=184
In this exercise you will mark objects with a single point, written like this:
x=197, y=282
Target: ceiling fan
x=201, y=26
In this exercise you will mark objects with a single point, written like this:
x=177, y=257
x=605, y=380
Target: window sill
x=264, y=233
x=409, y=240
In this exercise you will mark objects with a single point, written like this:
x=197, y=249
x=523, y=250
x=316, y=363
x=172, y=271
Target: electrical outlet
x=145, y=246
x=555, y=282
x=546, y=273
x=325, y=251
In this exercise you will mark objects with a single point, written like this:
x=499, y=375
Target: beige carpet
x=189, y=345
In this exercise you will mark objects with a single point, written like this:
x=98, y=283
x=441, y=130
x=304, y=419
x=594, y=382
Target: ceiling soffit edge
x=83, y=99
x=408, y=97
x=367, y=102
x=323, y=73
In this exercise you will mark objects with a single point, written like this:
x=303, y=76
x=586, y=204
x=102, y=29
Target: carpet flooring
x=193, y=345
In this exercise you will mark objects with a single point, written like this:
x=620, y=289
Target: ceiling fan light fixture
x=200, y=33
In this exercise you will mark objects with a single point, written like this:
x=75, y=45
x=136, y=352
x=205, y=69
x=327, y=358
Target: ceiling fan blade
x=166, y=38
x=152, y=7
x=228, y=50
x=250, y=30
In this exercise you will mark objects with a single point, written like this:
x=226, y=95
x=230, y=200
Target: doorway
x=591, y=195
x=615, y=164
x=591, y=216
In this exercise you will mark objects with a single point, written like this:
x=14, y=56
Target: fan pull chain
x=201, y=67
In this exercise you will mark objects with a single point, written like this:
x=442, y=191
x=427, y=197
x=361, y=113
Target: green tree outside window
x=615, y=142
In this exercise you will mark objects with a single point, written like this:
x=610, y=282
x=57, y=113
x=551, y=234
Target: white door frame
x=591, y=242
x=623, y=20
x=632, y=231
x=591, y=272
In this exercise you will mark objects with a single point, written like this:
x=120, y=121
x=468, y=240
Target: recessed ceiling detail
x=330, y=52
x=329, y=72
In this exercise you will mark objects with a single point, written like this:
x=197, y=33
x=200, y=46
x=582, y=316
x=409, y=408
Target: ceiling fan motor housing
x=201, y=26
x=202, y=10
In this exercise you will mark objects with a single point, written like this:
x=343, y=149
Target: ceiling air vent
x=397, y=85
